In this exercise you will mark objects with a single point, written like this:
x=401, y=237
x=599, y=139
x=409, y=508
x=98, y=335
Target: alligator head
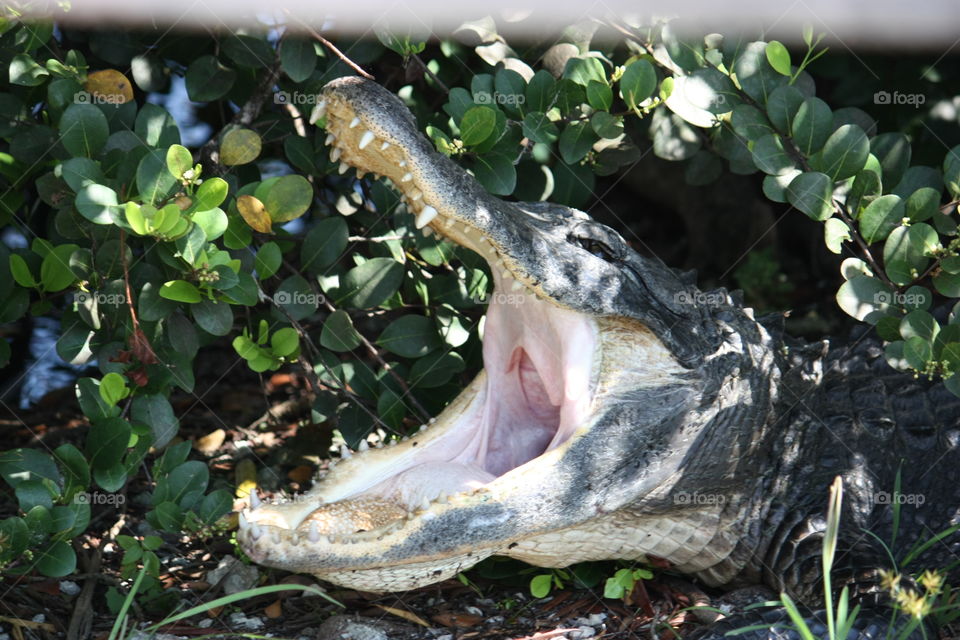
x=611, y=385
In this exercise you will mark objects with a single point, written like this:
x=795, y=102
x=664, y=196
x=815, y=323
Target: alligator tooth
x=343, y=168
x=295, y=538
x=330, y=138
x=415, y=194
x=275, y=535
x=366, y=139
x=345, y=452
x=361, y=173
x=506, y=275
x=335, y=154
x=467, y=229
x=443, y=497
x=427, y=232
x=517, y=285
x=363, y=446
x=354, y=122
x=407, y=177
x=426, y=214
x=318, y=111
x=254, y=499
x=313, y=533
x=242, y=519
x=425, y=503
x=402, y=164
x=498, y=262
x=255, y=531
x=384, y=145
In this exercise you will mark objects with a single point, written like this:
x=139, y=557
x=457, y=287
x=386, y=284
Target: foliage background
x=163, y=195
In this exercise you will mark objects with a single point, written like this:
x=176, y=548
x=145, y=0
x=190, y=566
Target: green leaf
x=770, y=157
x=835, y=233
x=83, y=130
x=113, y=388
x=410, y=336
x=24, y=71
x=212, y=222
x=509, y=87
x=750, y=122
x=435, y=369
x=865, y=189
x=778, y=57
x=576, y=141
x=893, y=151
x=638, y=82
x=298, y=58
x=880, y=217
x=845, y=152
x=179, y=160
x=208, y=80
x=57, y=560
x=371, y=283
x=583, y=70
x=155, y=410
x=755, y=75
x=216, y=318
x=917, y=352
x=947, y=284
x=296, y=297
x=22, y=465
x=599, y=95
x=97, y=203
x=540, y=92
x=919, y=323
x=496, y=173
x=951, y=171
x=155, y=127
x=783, y=105
x=180, y=291
x=55, y=272
x=154, y=181
x=268, y=260
x=338, y=333
x=323, y=244
x=288, y=198
x=107, y=441
x=539, y=128
x=865, y=298
x=923, y=204
x=812, y=125
x=540, y=585
x=239, y=146
x=21, y=271
x=210, y=194
x=812, y=193
x=477, y=125
x=285, y=342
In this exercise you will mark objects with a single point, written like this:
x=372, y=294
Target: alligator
x=622, y=413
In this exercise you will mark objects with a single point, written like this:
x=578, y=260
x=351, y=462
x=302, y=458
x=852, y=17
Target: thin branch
x=329, y=45
x=430, y=73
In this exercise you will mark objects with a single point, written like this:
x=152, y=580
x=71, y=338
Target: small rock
x=474, y=610
x=39, y=618
x=233, y=575
x=69, y=588
x=583, y=632
x=240, y=622
x=206, y=623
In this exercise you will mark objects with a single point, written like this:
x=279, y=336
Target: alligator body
x=621, y=413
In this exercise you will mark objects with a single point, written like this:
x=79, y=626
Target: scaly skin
x=700, y=438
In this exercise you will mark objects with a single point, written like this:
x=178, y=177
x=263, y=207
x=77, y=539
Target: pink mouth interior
x=538, y=360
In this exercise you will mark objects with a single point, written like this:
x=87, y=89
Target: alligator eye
x=594, y=246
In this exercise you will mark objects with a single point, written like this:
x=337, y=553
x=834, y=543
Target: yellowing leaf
x=239, y=146
x=246, y=477
x=110, y=86
x=254, y=213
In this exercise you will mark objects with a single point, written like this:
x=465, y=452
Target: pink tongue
x=427, y=481
x=538, y=398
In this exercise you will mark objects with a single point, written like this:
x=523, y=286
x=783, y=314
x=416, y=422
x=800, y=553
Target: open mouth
x=540, y=363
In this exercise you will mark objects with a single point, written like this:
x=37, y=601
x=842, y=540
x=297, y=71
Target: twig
x=430, y=73
x=329, y=45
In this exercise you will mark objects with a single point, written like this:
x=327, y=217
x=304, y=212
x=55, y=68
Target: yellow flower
x=931, y=581
x=912, y=603
x=889, y=580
